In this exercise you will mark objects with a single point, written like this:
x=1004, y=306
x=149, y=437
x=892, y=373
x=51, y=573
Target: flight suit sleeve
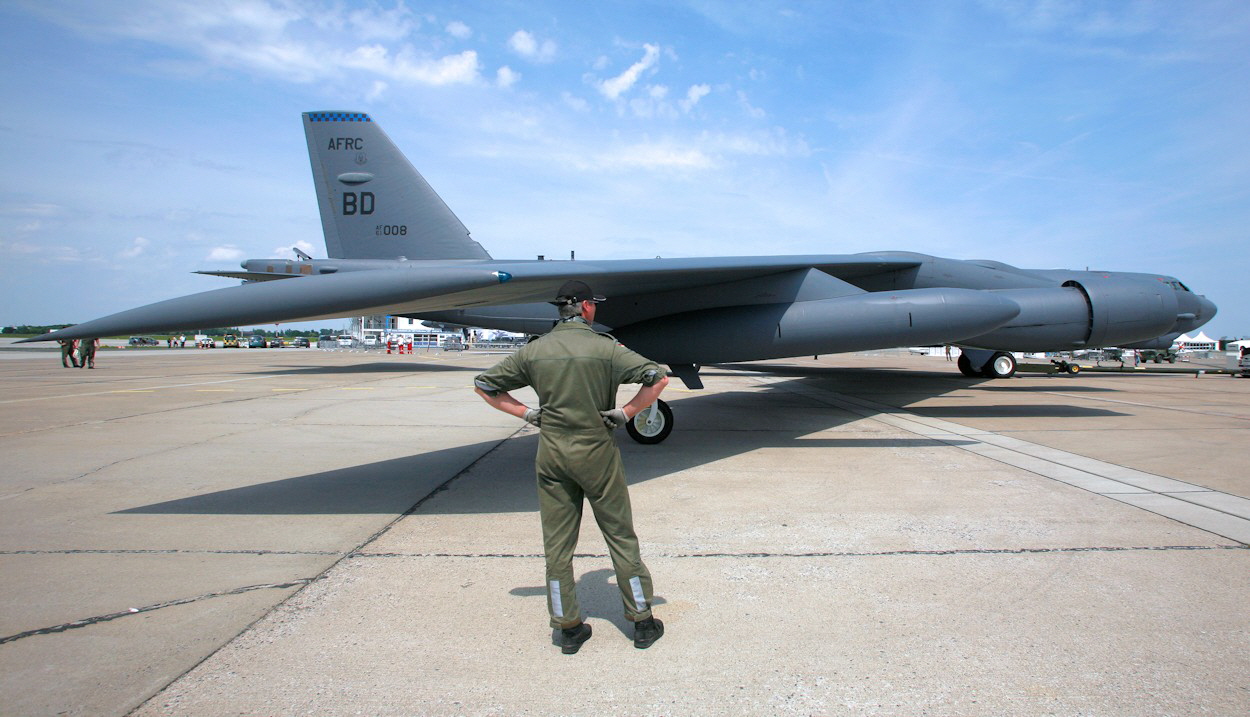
x=507, y=375
x=632, y=367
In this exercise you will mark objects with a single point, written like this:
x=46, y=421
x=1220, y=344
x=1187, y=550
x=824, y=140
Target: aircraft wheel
x=652, y=425
x=1073, y=369
x=1003, y=365
x=965, y=367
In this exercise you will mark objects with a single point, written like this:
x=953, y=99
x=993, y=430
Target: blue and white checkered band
x=338, y=117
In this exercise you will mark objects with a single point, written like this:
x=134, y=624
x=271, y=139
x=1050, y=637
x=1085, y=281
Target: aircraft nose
x=1206, y=309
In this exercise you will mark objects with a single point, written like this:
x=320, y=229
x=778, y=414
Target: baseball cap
x=573, y=292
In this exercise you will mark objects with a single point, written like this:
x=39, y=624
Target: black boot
x=571, y=639
x=646, y=632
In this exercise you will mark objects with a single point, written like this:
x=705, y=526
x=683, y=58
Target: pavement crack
x=86, y=622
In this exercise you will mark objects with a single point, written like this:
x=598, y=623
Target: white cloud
x=575, y=103
x=619, y=85
x=459, y=30
x=288, y=40
x=751, y=110
x=36, y=210
x=527, y=46
x=654, y=156
x=136, y=248
x=376, y=91
x=506, y=77
x=9, y=247
x=375, y=23
x=284, y=251
x=405, y=66
x=693, y=95
x=225, y=253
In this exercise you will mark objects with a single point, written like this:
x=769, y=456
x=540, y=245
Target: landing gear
x=1000, y=365
x=965, y=367
x=652, y=425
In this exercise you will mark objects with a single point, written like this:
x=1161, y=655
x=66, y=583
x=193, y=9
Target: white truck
x=1242, y=368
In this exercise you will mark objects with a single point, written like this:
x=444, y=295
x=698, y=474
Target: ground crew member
x=575, y=372
x=67, y=352
x=86, y=352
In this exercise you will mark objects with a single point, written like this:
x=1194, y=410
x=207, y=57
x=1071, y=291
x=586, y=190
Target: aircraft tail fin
x=374, y=204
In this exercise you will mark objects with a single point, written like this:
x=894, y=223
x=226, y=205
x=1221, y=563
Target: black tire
x=1001, y=365
x=1073, y=369
x=965, y=367
x=660, y=425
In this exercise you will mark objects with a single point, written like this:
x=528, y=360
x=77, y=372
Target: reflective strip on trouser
x=555, y=600
x=587, y=465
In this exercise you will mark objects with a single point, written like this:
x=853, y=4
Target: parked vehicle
x=346, y=342
x=230, y=341
x=206, y=342
x=301, y=342
x=256, y=341
x=1157, y=355
x=1243, y=363
x=143, y=341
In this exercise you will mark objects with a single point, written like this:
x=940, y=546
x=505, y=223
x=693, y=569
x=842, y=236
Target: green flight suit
x=67, y=353
x=575, y=372
x=86, y=353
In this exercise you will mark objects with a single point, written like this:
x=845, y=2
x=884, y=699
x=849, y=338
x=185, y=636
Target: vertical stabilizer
x=373, y=202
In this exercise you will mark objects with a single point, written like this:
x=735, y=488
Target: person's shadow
x=599, y=597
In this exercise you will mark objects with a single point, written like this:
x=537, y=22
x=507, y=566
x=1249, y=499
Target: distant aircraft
x=395, y=248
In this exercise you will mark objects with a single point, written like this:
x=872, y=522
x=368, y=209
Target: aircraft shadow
x=710, y=427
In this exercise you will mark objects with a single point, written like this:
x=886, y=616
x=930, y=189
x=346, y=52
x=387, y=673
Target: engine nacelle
x=915, y=317
x=1126, y=309
x=1088, y=312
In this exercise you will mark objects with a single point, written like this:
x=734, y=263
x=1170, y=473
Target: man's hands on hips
x=614, y=418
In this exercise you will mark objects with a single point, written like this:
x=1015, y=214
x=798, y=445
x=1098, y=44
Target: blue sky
x=148, y=139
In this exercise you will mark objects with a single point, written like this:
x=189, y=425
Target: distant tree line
x=32, y=330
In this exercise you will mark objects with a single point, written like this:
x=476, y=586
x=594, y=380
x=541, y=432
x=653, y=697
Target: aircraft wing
x=414, y=287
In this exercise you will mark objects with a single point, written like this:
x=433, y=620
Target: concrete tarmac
x=336, y=533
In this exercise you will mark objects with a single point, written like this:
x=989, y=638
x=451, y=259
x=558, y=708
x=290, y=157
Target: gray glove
x=534, y=416
x=614, y=418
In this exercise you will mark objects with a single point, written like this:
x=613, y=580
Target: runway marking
x=1216, y=512
x=214, y=390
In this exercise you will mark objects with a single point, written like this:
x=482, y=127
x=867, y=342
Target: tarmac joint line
x=85, y=622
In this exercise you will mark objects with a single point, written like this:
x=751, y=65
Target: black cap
x=575, y=292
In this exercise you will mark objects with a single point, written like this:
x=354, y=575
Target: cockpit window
x=1178, y=286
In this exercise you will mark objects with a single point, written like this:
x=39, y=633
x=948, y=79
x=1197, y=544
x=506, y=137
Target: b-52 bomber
x=395, y=248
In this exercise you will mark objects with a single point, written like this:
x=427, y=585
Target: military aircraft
x=396, y=248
